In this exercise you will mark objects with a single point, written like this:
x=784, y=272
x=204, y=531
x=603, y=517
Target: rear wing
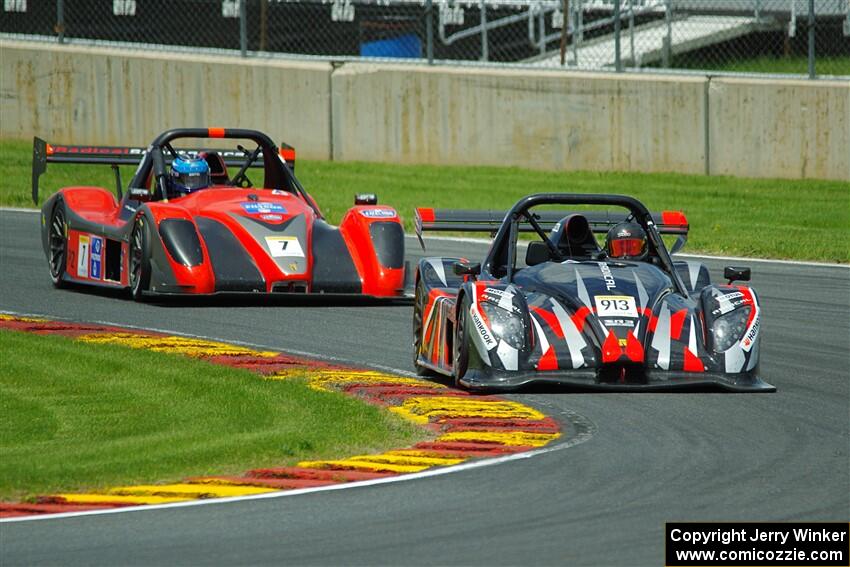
x=44, y=153
x=458, y=220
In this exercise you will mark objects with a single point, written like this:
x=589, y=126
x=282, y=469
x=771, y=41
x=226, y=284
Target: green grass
x=794, y=64
x=791, y=65
x=79, y=416
x=772, y=218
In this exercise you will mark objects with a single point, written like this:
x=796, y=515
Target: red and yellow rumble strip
x=466, y=426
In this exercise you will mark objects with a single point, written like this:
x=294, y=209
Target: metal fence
x=809, y=37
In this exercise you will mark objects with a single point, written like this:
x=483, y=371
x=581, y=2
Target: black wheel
x=460, y=346
x=418, y=309
x=140, y=262
x=57, y=245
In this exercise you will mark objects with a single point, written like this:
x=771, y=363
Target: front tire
x=460, y=344
x=57, y=248
x=418, y=309
x=140, y=262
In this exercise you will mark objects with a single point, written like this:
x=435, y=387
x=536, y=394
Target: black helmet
x=626, y=241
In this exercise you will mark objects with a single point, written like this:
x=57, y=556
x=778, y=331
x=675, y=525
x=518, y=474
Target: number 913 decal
x=615, y=306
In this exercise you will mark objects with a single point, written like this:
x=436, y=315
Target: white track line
x=576, y=440
x=19, y=210
x=471, y=240
x=766, y=261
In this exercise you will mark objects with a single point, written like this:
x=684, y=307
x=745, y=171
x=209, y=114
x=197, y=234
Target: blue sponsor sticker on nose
x=256, y=208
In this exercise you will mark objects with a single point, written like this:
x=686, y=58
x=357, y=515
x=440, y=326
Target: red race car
x=185, y=226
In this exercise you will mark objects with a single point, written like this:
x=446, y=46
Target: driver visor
x=627, y=247
x=196, y=180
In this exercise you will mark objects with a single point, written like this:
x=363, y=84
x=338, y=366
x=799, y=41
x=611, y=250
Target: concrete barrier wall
x=518, y=117
x=439, y=115
x=761, y=128
x=98, y=96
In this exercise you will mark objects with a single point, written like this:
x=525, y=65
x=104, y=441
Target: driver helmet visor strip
x=193, y=180
x=622, y=247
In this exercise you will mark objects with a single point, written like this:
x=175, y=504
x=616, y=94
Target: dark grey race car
x=580, y=317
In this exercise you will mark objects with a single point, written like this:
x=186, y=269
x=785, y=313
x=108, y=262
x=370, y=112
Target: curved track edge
x=467, y=430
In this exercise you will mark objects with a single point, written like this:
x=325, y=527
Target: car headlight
x=505, y=325
x=728, y=329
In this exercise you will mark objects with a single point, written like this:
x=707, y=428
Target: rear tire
x=460, y=345
x=418, y=309
x=57, y=246
x=140, y=262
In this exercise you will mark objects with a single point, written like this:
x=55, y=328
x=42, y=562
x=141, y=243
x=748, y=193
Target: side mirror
x=736, y=274
x=139, y=194
x=467, y=268
x=537, y=253
x=365, y=199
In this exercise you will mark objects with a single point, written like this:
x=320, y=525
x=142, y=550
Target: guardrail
x=441, y=115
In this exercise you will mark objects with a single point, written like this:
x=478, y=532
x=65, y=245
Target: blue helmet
x=189, y=174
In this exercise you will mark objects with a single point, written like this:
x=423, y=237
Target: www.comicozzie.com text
x=726, y=536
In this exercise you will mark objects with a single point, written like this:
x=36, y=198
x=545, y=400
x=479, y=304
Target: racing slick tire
x=418, y=309
x=140, y=259
x=57, y=245
x=460, y=344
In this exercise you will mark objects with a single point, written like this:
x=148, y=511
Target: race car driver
x=188, y=174
x=626, y=241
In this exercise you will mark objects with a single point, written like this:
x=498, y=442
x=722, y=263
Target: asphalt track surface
x=652, y=458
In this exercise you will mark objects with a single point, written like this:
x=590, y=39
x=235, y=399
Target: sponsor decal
x=284, y=246
x=279, y=192
x=726, y=308
x=97, y=150
x=258, y=208
x=497, y=292
x=96, y=260
x=234, y=154
x=502, y=298
x=619, y=323
x=607, y=276
x=624, y=233
x=729, y=296
x=83, y=247
x=498, y=296
x=729, y=301
x=378, y=213
x=482, y=329
x=273, y=218
x=615, y=306
x=750, y=337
